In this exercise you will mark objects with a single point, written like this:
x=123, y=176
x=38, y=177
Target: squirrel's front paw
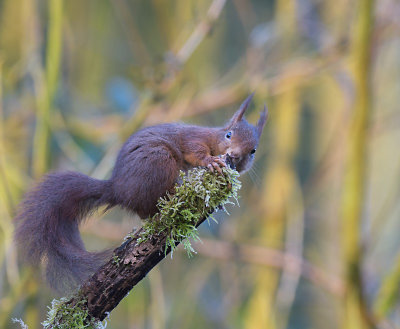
x=215, y=163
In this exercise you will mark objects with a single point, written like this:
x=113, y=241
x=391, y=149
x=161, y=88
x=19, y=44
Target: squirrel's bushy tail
x=47, y=226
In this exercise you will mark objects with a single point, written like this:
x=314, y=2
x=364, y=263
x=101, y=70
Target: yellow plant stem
x=49, y=87
x=389, y=292
x=278, y=191
x=354, y=184
x=278, y=185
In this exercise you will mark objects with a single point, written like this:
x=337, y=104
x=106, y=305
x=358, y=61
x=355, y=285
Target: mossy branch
x=198, y=194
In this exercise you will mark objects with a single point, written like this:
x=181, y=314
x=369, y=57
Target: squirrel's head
x=240, y=138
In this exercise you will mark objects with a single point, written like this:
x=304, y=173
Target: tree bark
x=130, y=264
x=131, y=261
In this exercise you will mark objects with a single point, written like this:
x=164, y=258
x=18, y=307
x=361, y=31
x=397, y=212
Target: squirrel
x=146, y=168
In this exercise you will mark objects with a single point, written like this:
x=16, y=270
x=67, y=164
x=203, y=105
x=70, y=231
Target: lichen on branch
x=65, y=315
x=197, y=195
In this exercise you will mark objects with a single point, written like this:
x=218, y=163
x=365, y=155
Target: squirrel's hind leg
x=144, y=178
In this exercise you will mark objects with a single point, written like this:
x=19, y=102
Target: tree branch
x=130, y=264
x=199, y=194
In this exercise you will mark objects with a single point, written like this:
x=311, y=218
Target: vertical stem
x=278, y=191
x=279, y=184
x=45, y=101
x=5, y=192
x=157, y=304
x=389, y=292
x=354, y=184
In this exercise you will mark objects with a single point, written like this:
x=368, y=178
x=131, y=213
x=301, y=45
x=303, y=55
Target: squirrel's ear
x=262, y=120
x=239, y=113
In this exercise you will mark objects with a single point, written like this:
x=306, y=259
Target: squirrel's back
x=147, y=167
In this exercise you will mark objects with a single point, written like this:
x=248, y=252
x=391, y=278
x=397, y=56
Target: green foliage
x=196, y=196
x=63, y=315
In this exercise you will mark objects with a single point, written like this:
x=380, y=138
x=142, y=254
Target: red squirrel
x=146, y=168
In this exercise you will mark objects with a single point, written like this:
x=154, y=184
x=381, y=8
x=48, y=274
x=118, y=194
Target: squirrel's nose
x=234, y=156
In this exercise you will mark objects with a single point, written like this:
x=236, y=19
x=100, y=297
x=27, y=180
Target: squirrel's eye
x=228, y=135
x=253, y=151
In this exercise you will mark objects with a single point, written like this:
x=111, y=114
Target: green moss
x=197, y=195
x=116, y=260
x=63, y=315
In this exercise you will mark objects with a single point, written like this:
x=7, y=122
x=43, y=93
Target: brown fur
x=147, y=167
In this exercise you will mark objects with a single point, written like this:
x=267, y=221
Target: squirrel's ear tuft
x=261, y=121
x=238, y=116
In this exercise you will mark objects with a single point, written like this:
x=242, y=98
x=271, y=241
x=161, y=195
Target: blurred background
x=315, y=242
